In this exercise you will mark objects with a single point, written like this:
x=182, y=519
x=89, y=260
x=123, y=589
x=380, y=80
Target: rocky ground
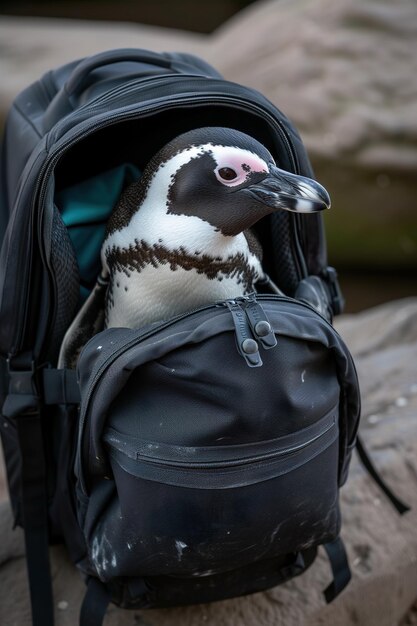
x=382, y=546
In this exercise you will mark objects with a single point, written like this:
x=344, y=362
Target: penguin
x=179, y=238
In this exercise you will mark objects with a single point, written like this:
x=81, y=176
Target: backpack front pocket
x=192, y=464
x=190, y=511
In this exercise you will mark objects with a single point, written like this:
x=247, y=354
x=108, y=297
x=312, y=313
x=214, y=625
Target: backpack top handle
x=65, y=100
x=79, y=77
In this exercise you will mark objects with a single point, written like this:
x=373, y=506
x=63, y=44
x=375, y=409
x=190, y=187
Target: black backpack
x=177, y=467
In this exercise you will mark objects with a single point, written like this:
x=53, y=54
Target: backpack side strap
x=337, y=556
x=365, y=458
x=95, y=603
x=60, y=386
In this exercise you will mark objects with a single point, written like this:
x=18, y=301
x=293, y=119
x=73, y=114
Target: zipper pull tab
x=246, y=344
x=259, y=323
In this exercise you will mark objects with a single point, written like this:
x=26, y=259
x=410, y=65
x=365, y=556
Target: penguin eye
x=227, y=173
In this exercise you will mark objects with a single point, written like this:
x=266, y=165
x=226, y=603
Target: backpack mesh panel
x=285, y=271
x=67, y=283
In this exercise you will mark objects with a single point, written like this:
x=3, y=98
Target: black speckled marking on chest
x=140, y=255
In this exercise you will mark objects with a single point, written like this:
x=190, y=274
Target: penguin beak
x=283, y=190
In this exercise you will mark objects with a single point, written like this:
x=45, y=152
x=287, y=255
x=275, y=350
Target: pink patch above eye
x=242, y=164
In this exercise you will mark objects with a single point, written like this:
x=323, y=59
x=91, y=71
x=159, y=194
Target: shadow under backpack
x=160, y=517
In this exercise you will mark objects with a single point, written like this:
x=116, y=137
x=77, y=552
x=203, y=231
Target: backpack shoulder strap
x=22, y=404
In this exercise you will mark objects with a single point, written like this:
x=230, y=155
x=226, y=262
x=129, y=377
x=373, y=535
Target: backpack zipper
x=142, y=84
x=251, y=325
x=130, y=451
x=258, y=320
x=130, y=87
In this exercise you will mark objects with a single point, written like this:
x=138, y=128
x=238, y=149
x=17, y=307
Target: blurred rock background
x=343, y=71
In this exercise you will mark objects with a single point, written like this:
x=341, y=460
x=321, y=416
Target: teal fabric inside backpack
x=85, y=208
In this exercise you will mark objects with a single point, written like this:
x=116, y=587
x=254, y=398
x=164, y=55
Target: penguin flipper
x=88, y=322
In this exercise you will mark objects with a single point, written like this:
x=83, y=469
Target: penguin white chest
x=168, y=253
x=159, y=291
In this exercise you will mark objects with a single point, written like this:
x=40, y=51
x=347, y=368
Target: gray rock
x=344, y=73
x=382, y=546
x=340, y=70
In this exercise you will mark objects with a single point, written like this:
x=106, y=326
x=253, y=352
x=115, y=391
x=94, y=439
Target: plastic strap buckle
x=337, y=300
x=22, y=398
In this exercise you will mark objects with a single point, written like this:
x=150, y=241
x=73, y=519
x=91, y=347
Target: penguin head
x=204, y=188
x=231, y=181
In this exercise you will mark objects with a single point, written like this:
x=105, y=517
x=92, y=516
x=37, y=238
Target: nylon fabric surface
x=65, y=266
